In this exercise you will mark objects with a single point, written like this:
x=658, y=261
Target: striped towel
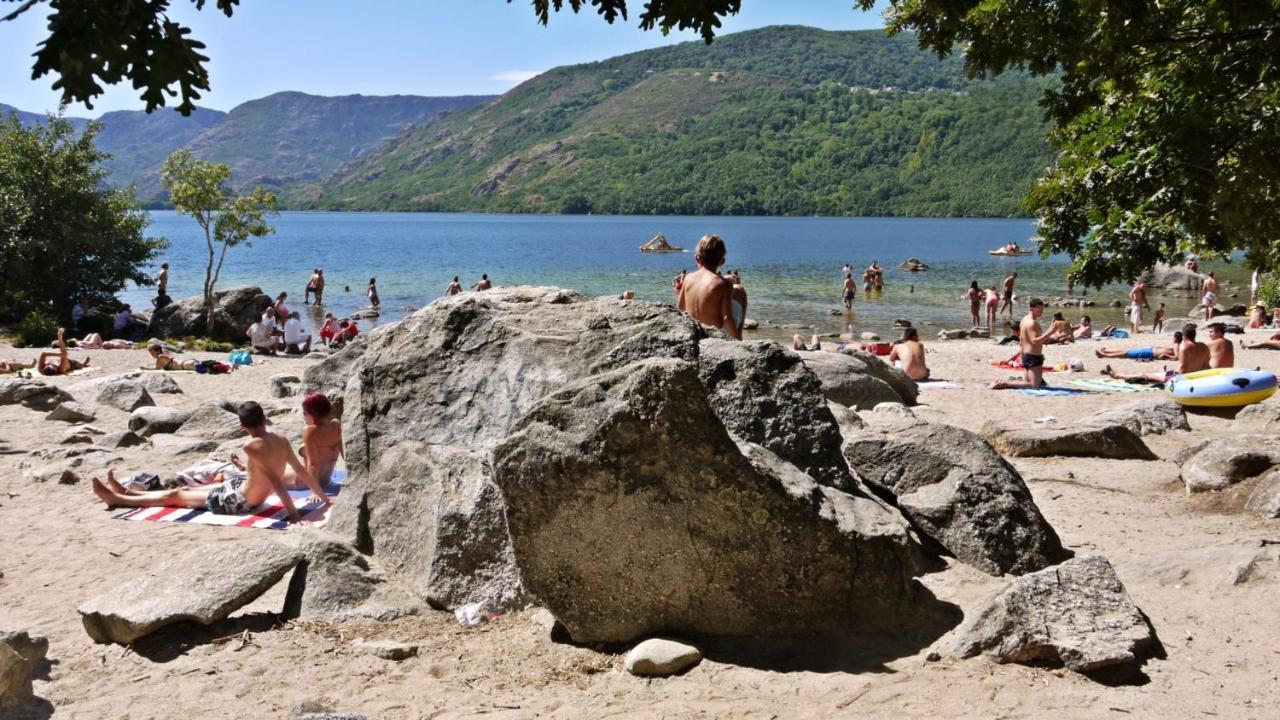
x=270, y=515
x=1112, y=385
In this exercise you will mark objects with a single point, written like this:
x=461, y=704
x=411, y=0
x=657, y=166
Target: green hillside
x=782, y=120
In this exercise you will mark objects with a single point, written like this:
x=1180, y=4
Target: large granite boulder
x=204, y=586
x=765, y=395
x=333, y=580
x=959, y=491
x=859, y=380
x=33, y=394
x=1076, y=613
x=434, y=392
x=1113, y=441
x=147, y=421
x=70, y=411
x=126, y=395
x=1144, y=417
x=1172, y=277
x=1220, y=464
x=331, y=375
x=235, y=309
x=213, y=422
x=633, y=512
x=1259, y=416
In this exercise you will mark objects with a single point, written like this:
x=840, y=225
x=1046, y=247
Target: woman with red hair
x=321, y=439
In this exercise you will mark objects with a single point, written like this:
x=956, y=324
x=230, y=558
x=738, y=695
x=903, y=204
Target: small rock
x=62, y=474
x=285, y=385
x=1265, y=498
x=32, y=648
x=120, y=439
x=15, y=678
x=365, y=314
x=79, y=436
x=1222, y=464
x=953, y=334
x=750, y=324
x=386, y=649
x=932, y=657
x=147, y=421
x=870, y=336
x=658, y=658
x=172, y=445
x=73, y=412
x=980, y=333
x=33, y=394
x=126, y=395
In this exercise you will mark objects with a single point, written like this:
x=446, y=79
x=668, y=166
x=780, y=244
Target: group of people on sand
x=271, y=466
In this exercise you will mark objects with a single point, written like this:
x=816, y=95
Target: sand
x=1173, y=552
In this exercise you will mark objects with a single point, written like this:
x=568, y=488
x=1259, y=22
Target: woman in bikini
x=57, y=363
x=165, y=361
x=975, y=303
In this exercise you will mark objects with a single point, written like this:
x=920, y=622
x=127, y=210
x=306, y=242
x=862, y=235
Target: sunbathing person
x=321, y=440
x=9, y=366
x=908, y=355
x=57, y=363
x=1271, y=343
x=94, y=341
x=165, y=361
x=1144, y=353
x=1192, y=357
x=269, y=454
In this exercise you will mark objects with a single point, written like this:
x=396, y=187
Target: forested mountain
x=782, y=120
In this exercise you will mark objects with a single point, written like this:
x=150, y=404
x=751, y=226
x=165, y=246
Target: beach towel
x=1112, y=385
x=1053, y=391
x=270, y=515
x=938, y=385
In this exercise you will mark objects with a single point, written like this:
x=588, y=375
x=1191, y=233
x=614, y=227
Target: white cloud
x=515, y=77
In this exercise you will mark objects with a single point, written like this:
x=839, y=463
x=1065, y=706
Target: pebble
x=658, y=658
x=386, y=649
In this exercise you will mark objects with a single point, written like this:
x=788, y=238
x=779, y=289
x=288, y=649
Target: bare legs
x=110, y=494
x=1032, y=378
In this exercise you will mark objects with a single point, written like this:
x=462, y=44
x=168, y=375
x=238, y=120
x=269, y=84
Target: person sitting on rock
x=268, y=457
x=908, y=355
x=321, y=440
x=705, y=295
x=57, y=363
x=165, y=361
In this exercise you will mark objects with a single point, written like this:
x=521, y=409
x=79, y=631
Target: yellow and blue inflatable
x=1223, y=387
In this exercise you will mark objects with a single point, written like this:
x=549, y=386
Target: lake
x=790, y=266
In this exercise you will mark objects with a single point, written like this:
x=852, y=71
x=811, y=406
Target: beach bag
x=212, y=367
x=240, y=357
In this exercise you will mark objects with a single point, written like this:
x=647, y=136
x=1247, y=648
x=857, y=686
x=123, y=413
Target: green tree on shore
x=199, y=188
x=63, y=233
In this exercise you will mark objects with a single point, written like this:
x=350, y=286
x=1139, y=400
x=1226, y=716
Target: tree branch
x=21, y=9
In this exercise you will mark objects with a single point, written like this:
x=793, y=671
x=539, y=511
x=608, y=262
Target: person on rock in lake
x=454, y=288
x=1222, y=354
x=975, y=303
x=849, y=291
x=268, y=457
x=57, y=363
x=1192, y=357
x=162, y=360
x=1008, y=294
x=908, y=355
x=297, y=341
x=739, y=299
x=1144, y=353
x=1137, y=302
x=315, y=285
x=1210, y=296
x=483, y=283
x=705, y=296
x=372, y=292
x=321, y=441
x=1157, y=325
x=993, y=300
x=162, y=280
x=1031, y=342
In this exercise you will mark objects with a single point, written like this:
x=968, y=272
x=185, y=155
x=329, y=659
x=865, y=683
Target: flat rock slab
x=204, y=586
x=212, y=421
x=1077, y=613
x=147, y=421
x=35, y=394
x=659, y=658
x=1116, y=441
x=171, y=445
x=73, y=412
x=1145, y=417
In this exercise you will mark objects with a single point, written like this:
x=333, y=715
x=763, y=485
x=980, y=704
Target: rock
x=953, y=334
x=285, y=385
x=901, y=323
x=1144, y=417
x=81, y=435
x=73, y=412
x=1215, y=566
x=366, y=314
x=980, y=333
x=846, y=419
x=912, y=265
x=126, y=395
x=957, y=490
x=333, y=580
x=859, y=380
x=1105, y=441
x=870, y=336
x=891, y=416
x=33, y=394
x=750, y=324
x=33, y=649
x=659, y=658
x=235, y=309
x=213, y=422
x=15, y=679
x=62, y=474
x=204, y=586
x=147, y=421
x=1172, y=277
x=1265, y=498
x=433, y=393
x=1224, y=463
x=633, y=512
x=170, y=445
x=765, y=395
x=120, y=439
x=833, y=312
x=331, y=375
x=153, y=381
x=385, y=649
x=1237, y=310
x=1076, y=613
x=1116, y=303
x=1259, y=416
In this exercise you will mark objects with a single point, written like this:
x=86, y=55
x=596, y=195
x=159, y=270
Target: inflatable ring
x=1223, y=387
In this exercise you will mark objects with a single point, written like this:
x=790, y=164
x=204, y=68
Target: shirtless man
x=1192, y=357
x=57, y=363
x=849, y=291
x=483, y=283
x=1210, y=296
x=1008, y=295
x=1137, y=301
x=162, y=280
x=454, y=288
x=705, y=296
x=1222, y=354
x=908, y=355
x=269, y=454
x=315, y=284
x=321, y=441
x=1031, y=342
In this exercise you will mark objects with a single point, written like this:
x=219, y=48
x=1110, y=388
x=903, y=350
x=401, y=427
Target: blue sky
x=430, y=47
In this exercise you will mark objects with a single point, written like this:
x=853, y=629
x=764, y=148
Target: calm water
x=790, y=266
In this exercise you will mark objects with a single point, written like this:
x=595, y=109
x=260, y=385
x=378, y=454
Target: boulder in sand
x=73, y=412
x=332, y=581
x=1144, y=417
x=1113, y=441
x=959, y=491
x=212, y=421
x=204, y=586
x=633, y=513
x=1259, y=416
x=658, y=658
x=1076, y=613
x=170, y=445
x=147, y=421
x=235, y=309
x=126, y=395
x=285, y=385
x=859, y=380
x=32, y=648
x=120, y=439
x=1219, y=464
x=33, y=394
x=1264, y=501
x=15, y=679
x=1172, y=277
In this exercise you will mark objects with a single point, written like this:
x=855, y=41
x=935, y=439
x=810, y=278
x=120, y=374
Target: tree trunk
x=208, y=287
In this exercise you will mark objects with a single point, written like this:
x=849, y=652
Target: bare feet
x=998, y=385
x=115, y=486
x=104, y=494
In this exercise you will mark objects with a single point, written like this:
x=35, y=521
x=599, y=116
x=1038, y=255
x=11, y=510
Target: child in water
x=373, y=293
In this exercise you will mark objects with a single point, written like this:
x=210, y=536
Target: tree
x=63, y=233
x=199, y=189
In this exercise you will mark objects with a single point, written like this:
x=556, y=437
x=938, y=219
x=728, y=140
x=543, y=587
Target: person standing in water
x=372, y=292
x=850, y=291
x=975, y=296
x=454, y=288
x=1008, y=294
x=739, y=299
x=483, y=283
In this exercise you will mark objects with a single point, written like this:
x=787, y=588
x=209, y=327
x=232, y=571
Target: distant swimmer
x=705, y=295
x=454, y=288
x=483, y=283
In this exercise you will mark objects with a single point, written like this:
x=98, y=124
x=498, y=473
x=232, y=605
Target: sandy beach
x=1179, y=556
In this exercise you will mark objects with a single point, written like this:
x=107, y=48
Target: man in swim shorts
x=1210, y=296
x=1008, y=294
x=1144, y=353
x=1031, y=342
x=849, y=292
x=1137, y=301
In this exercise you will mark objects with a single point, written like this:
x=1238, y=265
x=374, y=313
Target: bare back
x=1193, y=357
x=1221, y=353
x=268, y=456
x=910, y=353
x=707, y=298
x=1008, y=283
x=321, y=448
x=1029, y=335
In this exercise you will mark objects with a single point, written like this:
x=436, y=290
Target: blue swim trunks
x=1142, y=353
